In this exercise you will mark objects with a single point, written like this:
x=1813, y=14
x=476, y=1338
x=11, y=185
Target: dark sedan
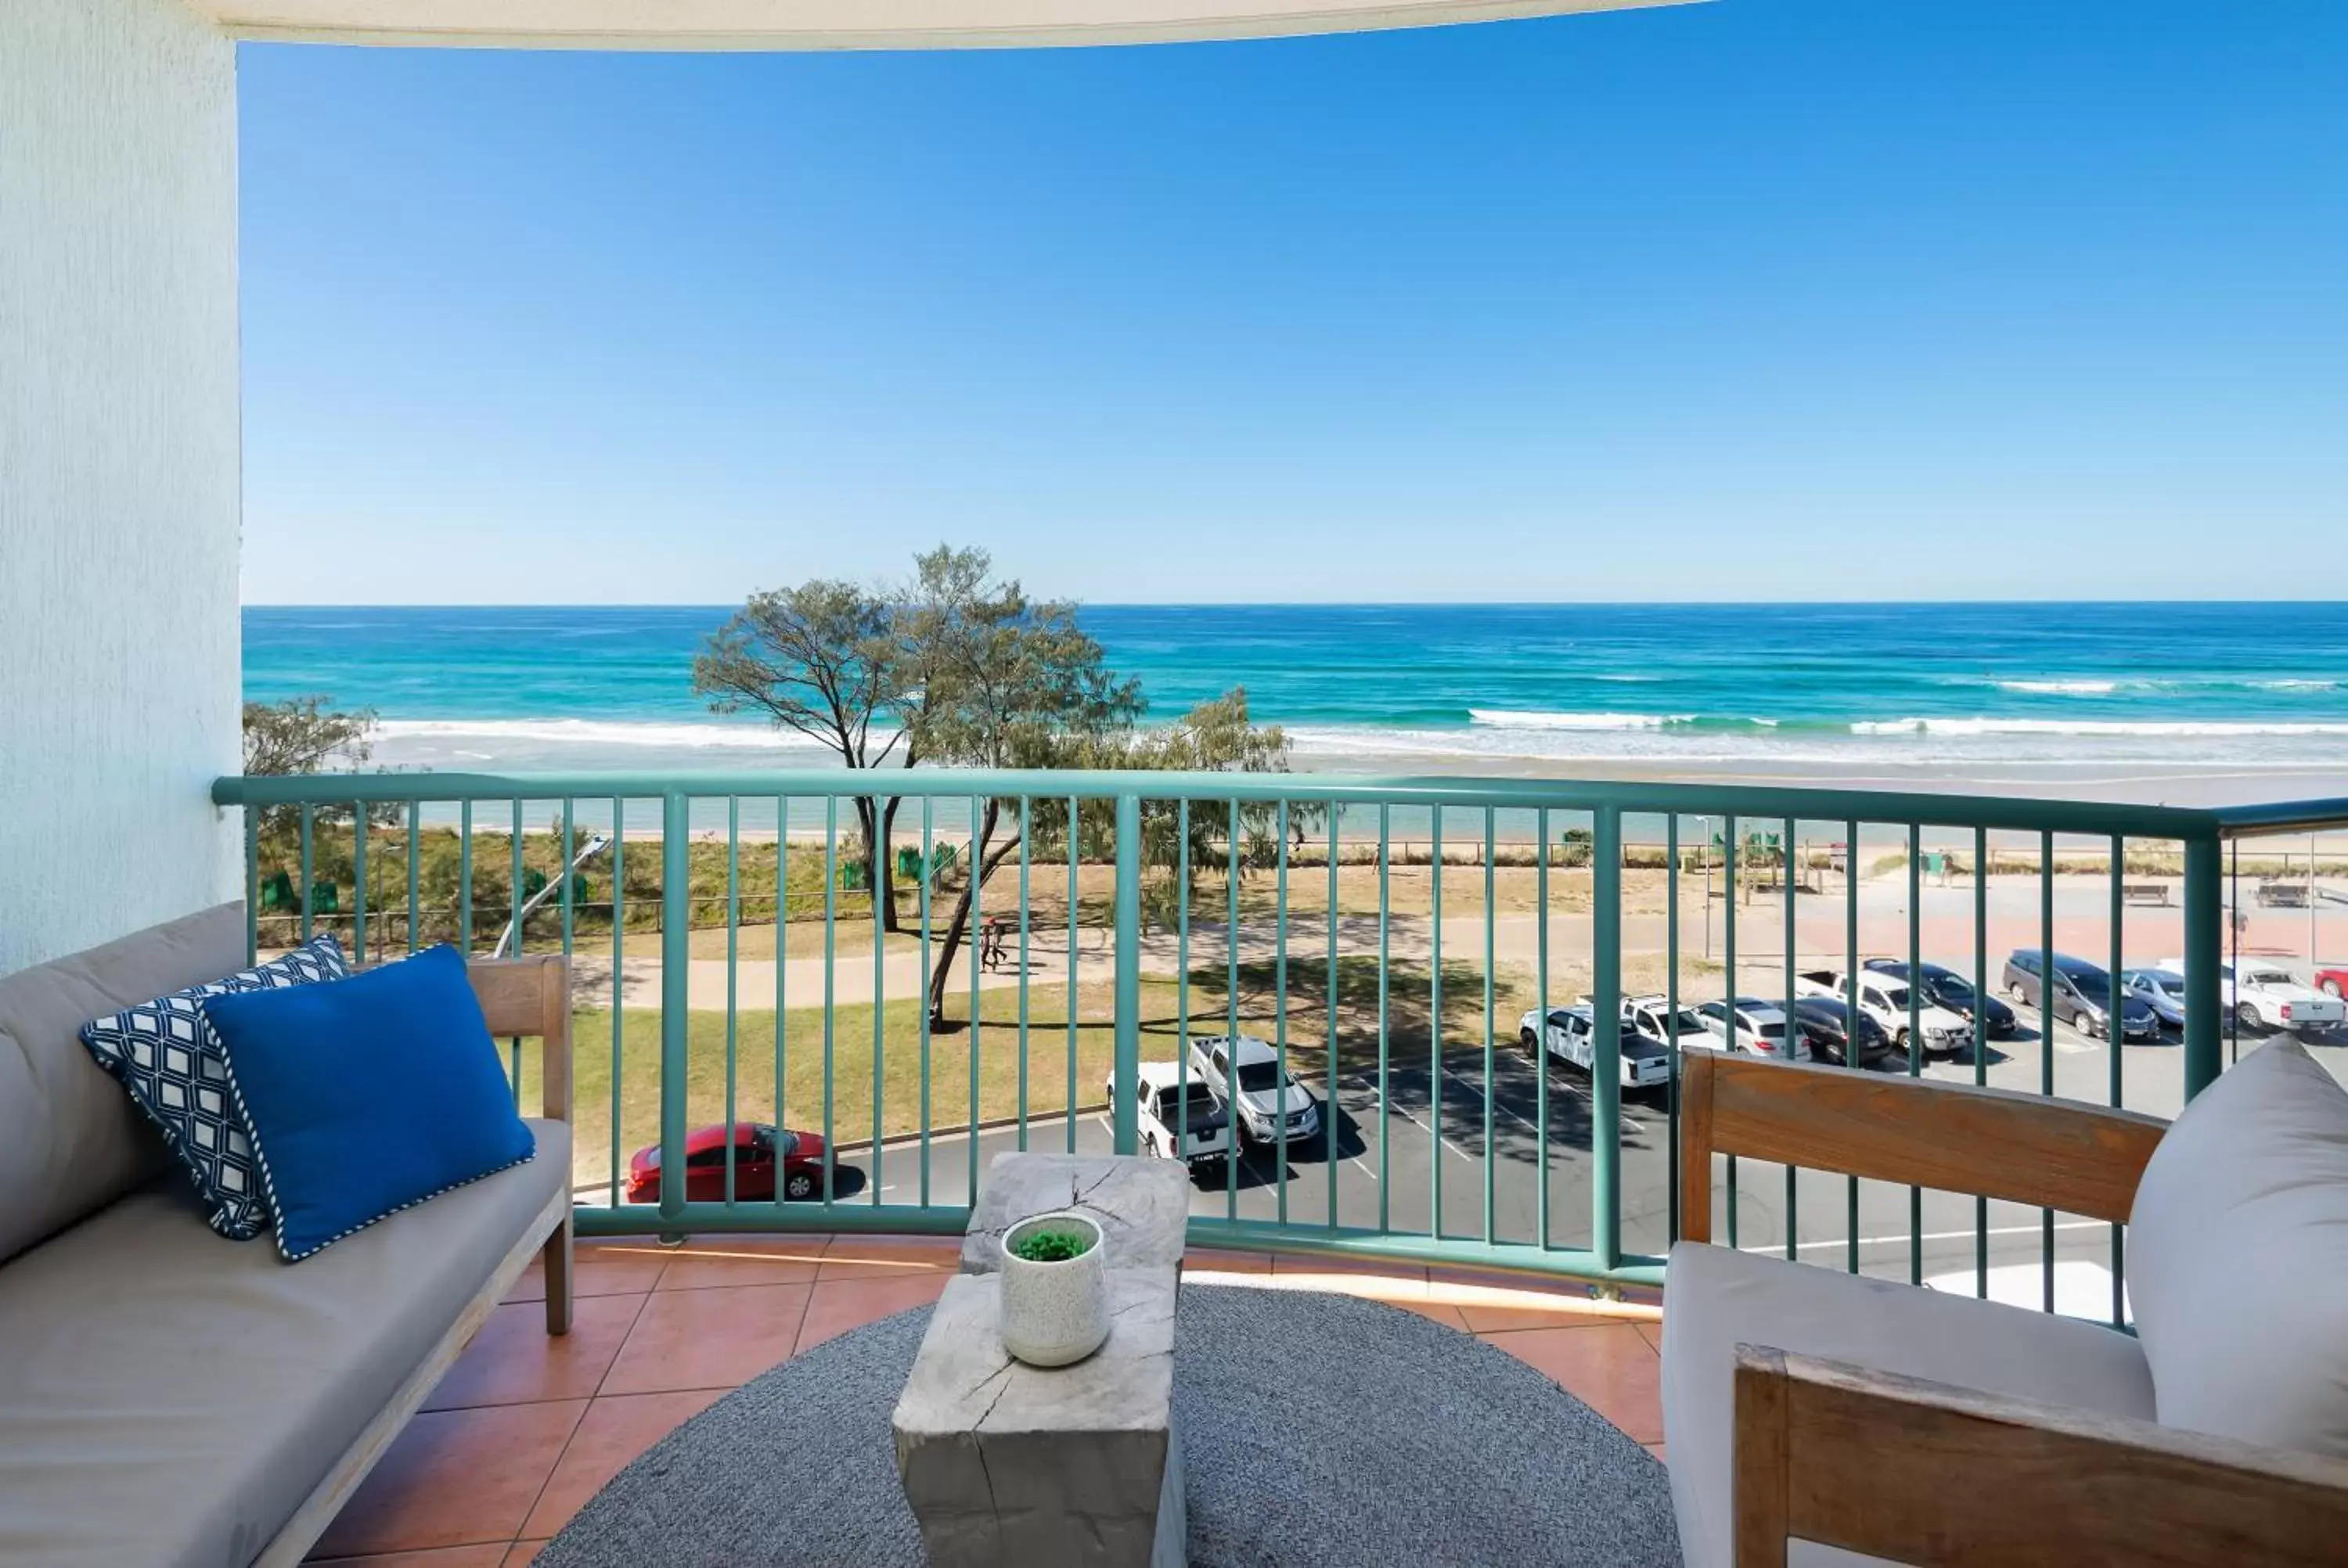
x=1825, y=1023
x=1952, y=992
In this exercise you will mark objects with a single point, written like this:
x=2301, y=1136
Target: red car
x=2333, y=981
x=756, y=1146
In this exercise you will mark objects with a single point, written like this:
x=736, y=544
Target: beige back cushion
x=70, y=1140
x=2237, y=1256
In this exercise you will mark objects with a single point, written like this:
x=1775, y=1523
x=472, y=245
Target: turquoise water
x=2258, y=683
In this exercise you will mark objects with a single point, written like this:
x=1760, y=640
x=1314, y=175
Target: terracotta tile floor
x=525, y=1428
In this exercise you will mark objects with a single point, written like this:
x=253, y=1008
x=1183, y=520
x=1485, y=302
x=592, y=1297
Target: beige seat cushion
x=1716, y=1298
x=2237, y=1256
x=169, y=1397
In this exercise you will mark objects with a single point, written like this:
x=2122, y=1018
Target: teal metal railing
x=1188, y=912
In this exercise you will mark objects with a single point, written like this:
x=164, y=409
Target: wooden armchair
x=1929, y=1473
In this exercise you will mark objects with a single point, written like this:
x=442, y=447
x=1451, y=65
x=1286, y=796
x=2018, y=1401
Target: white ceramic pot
x=1055, y=1313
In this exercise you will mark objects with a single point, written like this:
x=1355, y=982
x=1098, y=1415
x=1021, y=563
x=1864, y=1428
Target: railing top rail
x=1757, y=800
x=2283, y=816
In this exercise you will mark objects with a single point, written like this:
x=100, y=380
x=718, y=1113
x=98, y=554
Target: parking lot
x=1385, y=1160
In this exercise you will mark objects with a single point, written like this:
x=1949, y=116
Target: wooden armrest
x=1920, y=1132
x=1927, y=1473
x=532, y=997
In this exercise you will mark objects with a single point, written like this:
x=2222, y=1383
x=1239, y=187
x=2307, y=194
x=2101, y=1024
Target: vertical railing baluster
x=1491, y=912
x=977, y=874
x=309, y=882
x=1728, y=971
x=1231, y=1007
x=1279, y=1011
x=415, y=855
x=2204, y=1052
x=1182, y=974
x=515, y=873
x=358, y=881
x=1671, y=1013
x=513, y=924
x=1385, y=968
x=1125, y=1123
x=1329, y=1006
x=783, y=989
x=1540, y=1026
x=1606, y=1034
x=2114, y=1037
x=1981, y=1038
x=1435, y=1023
x=928, y=867
x=464, y=878
x=733, y=988
x=676, y=959
x=1852, y=1025
x=830, y=982
x=874, y=882
x=252, y=881
x=1915, y=1031
x=1027, y=854
x=1075, y=832
x=1793, y=1029
x=619, y=976
x=2046, y=1038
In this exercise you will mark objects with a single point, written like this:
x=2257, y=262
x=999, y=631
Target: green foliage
x=299, y=736
x=1051, y=1246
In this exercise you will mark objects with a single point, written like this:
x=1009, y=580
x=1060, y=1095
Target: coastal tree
x=1019, y=686
x=299, y=735
x=826, y=659
x=1007, y=682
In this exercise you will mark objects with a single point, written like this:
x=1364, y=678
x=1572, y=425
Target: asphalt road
x=1392, y=1160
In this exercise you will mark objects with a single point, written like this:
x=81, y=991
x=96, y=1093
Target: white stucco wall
x=119, y=468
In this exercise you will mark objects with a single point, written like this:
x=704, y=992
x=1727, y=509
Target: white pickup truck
x=1179, y=1120
x=1646, y=1062
x=2269, y=996
x=1885, y=1000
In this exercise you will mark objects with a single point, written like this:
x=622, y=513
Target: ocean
x=1948, y=686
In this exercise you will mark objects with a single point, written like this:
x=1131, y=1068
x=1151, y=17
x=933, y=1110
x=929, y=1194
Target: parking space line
x=1406, y=1115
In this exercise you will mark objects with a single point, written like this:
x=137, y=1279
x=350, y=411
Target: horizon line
x=1773, y=603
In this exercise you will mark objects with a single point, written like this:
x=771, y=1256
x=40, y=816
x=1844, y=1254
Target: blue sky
x=1835, y=298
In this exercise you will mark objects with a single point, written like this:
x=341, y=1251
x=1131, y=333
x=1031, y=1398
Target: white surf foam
x=1534, y=719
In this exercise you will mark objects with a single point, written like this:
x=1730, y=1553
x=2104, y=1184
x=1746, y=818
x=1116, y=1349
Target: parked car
x=2162, y=991
x=1180, y=1115
x=1952, y=992
x=1264, y=1100
x=2332, y=981
x=1571, y=1040
x=1886, y=1001
x=1824, y=1023
x=2269, y=996
x=759, y=1150
x=1650, y=1019
x=2082, y=994
x=1760, y=1027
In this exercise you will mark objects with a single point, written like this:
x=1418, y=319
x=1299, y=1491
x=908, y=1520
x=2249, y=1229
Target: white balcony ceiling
x=844, y=24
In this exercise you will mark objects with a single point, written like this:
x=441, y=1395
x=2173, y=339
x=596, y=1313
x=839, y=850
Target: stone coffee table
x=1009, y=1464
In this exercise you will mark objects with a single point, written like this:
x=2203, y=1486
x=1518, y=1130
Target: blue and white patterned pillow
x=167, y=1057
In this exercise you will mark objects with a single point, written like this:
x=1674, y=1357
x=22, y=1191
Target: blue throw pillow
x=368, y=1095
x=169, y=1060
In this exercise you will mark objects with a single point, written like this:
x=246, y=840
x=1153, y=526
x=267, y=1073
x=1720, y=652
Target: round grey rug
x=1316, y=1429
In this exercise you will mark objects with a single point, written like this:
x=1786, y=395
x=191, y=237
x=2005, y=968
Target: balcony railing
x=1384, y=936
